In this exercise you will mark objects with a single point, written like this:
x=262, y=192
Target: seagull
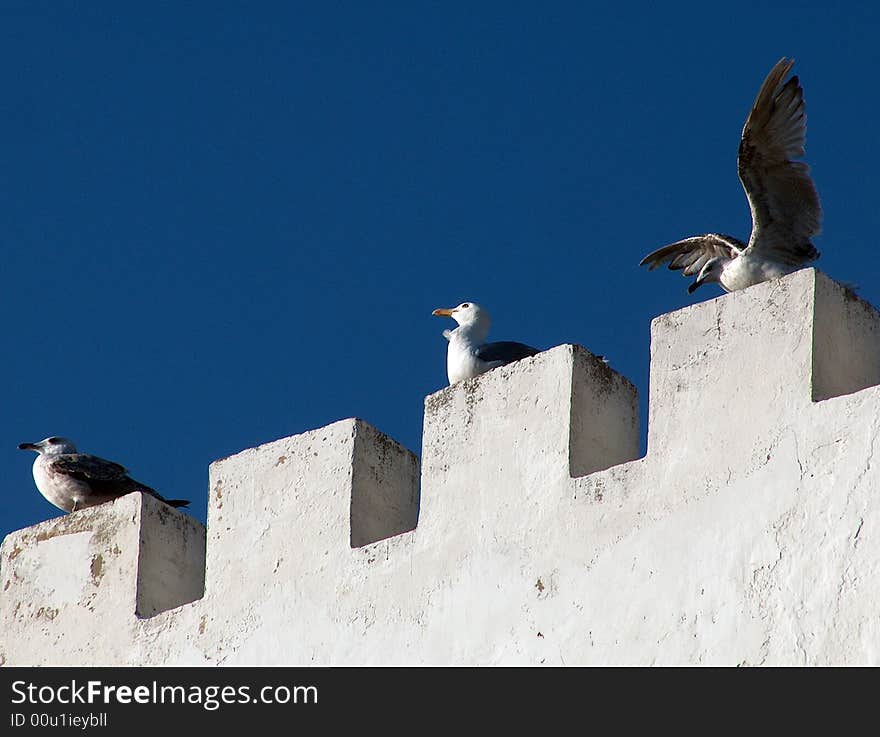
x=71, y=480
x=468, y=354
x=782, y=197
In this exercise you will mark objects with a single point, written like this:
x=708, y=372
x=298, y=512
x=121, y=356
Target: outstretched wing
x=505, y=350
x=691, y=254
x=782, y=197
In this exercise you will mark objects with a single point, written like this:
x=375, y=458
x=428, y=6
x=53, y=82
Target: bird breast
x=57, y=489
x=461, y=363
x=746, y=271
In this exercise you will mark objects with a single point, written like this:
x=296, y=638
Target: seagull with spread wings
x=782, y=197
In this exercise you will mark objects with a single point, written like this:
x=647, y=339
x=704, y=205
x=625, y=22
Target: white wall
x=748, y=534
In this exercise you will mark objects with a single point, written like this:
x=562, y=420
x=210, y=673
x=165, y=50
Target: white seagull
x=782, y=197
x=72, y=480
x=468, y=354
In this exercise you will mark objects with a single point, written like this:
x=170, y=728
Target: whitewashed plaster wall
x=533, y=533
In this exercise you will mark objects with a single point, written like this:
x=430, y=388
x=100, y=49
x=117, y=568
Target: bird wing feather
x=105, y=478
x=782, y=196
x=691, y=254
x=87, y=467
x=504, y=350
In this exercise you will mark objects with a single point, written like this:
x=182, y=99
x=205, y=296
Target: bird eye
x=466, y=305
x=54, y=441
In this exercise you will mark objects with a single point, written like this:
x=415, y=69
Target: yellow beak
x=443, y=312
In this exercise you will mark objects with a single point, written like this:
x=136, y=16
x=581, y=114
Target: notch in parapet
x=526, y=426
x=132, y=556
x=171, y=557
x=604, y=415
x=384, y=487
x=846, y=341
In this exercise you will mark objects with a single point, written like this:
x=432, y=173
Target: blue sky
x=226, y=223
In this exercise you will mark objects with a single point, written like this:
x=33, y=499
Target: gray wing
x=782, y=197
x=691, y=254
x=505, y=350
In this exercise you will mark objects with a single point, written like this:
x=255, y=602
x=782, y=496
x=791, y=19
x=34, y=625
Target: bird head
x=466, y=314
x=710, y=272
x=52, y=446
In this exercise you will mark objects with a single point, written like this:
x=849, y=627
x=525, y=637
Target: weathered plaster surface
x=534, y=534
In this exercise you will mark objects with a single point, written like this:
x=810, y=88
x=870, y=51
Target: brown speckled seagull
x=782, y=197
x=71, y=480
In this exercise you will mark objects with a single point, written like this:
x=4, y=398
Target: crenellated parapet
x=531, y=533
